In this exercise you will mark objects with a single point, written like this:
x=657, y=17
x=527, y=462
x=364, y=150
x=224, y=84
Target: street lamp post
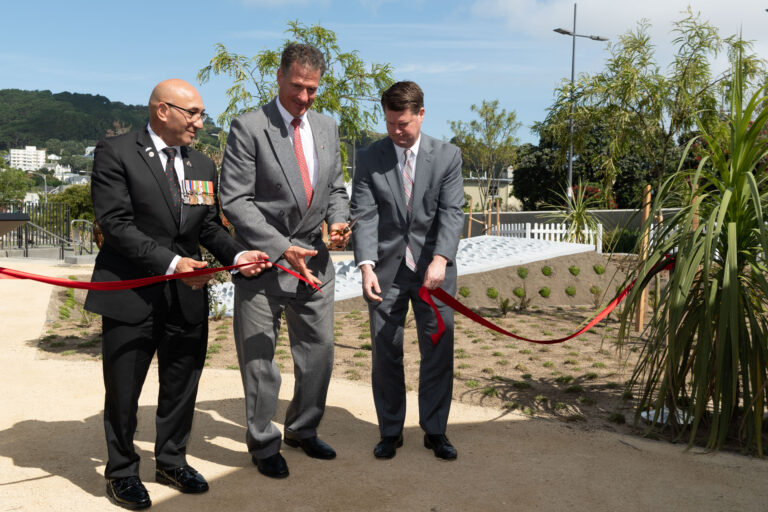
x=573, y=35
x=45, y=184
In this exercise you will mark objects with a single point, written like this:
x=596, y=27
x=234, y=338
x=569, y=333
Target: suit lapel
x=190, y=173
x=149, y=154
x=323, y=150
x=393, y=176
x=423, y=169
x=286, y=157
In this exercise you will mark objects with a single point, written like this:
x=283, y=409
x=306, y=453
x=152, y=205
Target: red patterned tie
x=298, y=148
x=173, y=182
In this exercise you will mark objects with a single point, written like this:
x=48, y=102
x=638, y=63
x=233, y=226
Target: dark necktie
x=299, y=150
x=173, y=182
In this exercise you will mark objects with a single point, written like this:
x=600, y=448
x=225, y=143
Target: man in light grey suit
x=408, y=192
x=280, y=178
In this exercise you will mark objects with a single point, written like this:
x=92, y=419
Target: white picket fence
x=552, y=232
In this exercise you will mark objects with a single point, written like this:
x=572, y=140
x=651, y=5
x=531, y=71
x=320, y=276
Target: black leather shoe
x=440, y=444
x=273, y=466
x=184, y=478
x=313, y=447
x=128, y=493
x=388, y=446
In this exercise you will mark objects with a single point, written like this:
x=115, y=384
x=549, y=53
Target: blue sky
x=460, y=52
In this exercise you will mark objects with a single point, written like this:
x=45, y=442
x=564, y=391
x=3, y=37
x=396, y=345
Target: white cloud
x=611, y=18
x=535, y=20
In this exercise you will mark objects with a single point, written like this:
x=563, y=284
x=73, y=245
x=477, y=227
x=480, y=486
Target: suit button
x=281, y=213
x=278, y=186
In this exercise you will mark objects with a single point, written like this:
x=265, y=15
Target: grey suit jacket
x=262, y=194
x=384, y=228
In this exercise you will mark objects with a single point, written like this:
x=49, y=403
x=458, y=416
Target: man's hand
x=251, y=256
x=188, y=265
x=435, y=272
x=296, y=257
x=370, y=283
x=339, y=233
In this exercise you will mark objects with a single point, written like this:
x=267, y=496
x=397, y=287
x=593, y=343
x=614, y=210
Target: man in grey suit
x=281, y=177
x=408, y=194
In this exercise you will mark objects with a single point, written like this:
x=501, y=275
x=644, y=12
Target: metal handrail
x=82, y=235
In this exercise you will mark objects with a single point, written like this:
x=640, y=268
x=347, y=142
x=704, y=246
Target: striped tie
x=408, y=190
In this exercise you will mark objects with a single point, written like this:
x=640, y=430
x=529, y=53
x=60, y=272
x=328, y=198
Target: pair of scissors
x=343, y=232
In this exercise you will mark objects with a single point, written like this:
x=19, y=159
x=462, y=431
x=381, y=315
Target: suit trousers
x=435, y=367
x=309, y=318
x=127, y=351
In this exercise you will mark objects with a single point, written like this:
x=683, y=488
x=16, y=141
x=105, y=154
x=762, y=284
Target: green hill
x=33, y=117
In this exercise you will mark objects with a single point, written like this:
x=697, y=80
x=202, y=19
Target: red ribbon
x=9, y=273
x=426, y=295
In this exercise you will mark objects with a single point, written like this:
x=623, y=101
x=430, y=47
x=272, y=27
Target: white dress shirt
x=307, y=140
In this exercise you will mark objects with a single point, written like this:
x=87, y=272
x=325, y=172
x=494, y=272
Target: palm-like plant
x=706, y=354
x=576, y=216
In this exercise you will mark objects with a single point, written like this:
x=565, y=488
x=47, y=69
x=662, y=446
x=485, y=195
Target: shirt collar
x=159, y=142
x=414, y=149
x=288, y=117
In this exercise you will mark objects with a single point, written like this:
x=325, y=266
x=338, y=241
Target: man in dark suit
x=280, y=179
x=155, y=201
x=408, y=194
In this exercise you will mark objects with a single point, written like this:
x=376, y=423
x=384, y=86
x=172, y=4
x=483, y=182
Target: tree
x=644, y=110
x=536, y=166
x=13, y=183
x=703, y=364
x=78, y=197
x=349, y=90
x=487, y=144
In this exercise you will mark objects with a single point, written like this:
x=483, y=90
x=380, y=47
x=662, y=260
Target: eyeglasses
x=193, y=115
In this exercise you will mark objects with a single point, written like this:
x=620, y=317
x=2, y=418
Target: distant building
x=59, y=171
x=75, y=179
x=89, y=151
x=28, y=159
x=32, y=197
x=501, y=188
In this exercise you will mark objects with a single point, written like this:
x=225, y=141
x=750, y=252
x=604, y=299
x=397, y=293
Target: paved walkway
x=52, y=448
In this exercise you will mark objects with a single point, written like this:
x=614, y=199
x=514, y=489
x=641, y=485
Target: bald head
x=172, y=108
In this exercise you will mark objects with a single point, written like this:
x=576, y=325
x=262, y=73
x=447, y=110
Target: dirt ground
x=581, y=381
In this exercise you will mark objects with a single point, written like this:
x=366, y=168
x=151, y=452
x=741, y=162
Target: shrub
x=492, y=293
x=544, y=292
x=573, y=269
x=519, y=292
x=570, y=291
x=464, y=291
x=547, y=271
x=621, y=240
x=599, y=269
x=505, y=306
x=596, y=292
x=522, y=272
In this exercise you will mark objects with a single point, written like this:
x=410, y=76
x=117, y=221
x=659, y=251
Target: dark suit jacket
x=132, y=202
x=262, y=194
x=384, y=228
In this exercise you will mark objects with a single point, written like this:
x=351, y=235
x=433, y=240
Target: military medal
x=198, y=192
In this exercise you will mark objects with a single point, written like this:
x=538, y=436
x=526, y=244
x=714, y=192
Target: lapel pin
x=147, y=149
x=151, y=154
x=189, y=164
